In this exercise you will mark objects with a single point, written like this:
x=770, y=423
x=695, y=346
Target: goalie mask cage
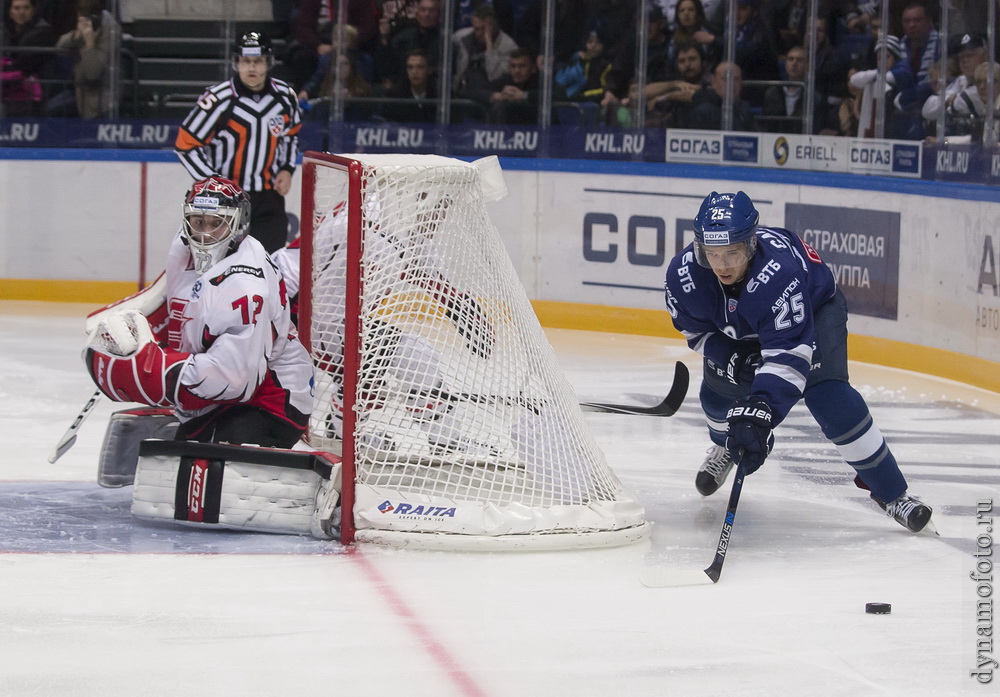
x=459, y=431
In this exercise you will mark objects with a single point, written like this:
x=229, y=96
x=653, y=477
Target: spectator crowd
x=384, y=56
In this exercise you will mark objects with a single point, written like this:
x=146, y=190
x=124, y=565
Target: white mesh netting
x=465, y=425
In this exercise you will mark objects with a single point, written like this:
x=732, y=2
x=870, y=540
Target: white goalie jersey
x=234, y=320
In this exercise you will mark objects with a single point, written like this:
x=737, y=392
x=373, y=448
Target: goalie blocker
x=238, y=487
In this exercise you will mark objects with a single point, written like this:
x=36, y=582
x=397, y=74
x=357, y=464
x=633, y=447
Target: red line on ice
x=435, y=648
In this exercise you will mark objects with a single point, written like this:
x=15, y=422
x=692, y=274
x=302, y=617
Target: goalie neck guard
x=216, y=219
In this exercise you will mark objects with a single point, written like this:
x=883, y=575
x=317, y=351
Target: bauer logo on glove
x=759, y=412
x=750, y=431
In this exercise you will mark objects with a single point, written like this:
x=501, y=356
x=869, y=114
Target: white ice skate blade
x=660, y=576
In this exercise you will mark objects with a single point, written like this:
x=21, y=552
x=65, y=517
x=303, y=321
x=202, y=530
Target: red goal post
x=458, y=429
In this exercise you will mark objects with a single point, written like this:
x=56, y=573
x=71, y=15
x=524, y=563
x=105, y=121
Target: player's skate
x=714, y=470
x=908, y=511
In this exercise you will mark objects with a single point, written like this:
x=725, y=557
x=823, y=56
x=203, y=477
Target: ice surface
x=94, y=602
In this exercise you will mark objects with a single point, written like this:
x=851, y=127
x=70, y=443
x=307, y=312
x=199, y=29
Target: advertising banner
x=713, y=147
x=381, y=137
x=637, y=145
x=861, y=247
x=888, y=158
x=891, y=158
x=816, y=153
x=963, y=163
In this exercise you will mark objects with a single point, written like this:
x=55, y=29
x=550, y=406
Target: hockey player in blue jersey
x=765, y=312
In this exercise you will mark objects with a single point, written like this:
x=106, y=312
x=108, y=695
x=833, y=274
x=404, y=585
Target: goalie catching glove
x=750, y=422
x=127, y=364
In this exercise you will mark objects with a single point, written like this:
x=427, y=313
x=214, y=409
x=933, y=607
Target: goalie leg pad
x=120, y=450
x=238, y=487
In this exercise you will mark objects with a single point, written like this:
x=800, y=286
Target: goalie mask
x=216, y=219
x=724, y=220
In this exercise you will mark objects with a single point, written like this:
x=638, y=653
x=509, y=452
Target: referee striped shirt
x=241, y=135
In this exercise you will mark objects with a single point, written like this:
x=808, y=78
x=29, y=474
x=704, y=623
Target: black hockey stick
x=69, y=438
x=440, y=394
x=668, y=407
x=661, y=576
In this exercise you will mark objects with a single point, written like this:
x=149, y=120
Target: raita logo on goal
x=412, y=511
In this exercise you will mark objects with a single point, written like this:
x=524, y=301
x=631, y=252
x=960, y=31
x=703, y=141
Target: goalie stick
x=660, y=576
x=668, y=407
x=69, y=438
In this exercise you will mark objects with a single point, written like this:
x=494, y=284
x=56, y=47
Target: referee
x=246, y=130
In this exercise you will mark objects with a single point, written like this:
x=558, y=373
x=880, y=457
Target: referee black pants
x=268, y=221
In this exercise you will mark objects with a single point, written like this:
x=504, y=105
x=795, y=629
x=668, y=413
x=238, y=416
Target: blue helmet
x=725, y=219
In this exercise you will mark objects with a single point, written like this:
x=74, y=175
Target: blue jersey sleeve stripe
x=802, y=351
x=786, y=373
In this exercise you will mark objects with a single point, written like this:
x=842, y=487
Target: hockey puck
x=878, y=608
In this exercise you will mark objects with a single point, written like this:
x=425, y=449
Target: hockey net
x=458, y=428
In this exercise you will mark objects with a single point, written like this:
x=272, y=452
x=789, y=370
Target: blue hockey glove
x=742, y=365
x=750, y=432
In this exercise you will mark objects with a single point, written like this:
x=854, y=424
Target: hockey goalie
x=211, y=346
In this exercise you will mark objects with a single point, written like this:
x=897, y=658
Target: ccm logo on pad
x=196, y=490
